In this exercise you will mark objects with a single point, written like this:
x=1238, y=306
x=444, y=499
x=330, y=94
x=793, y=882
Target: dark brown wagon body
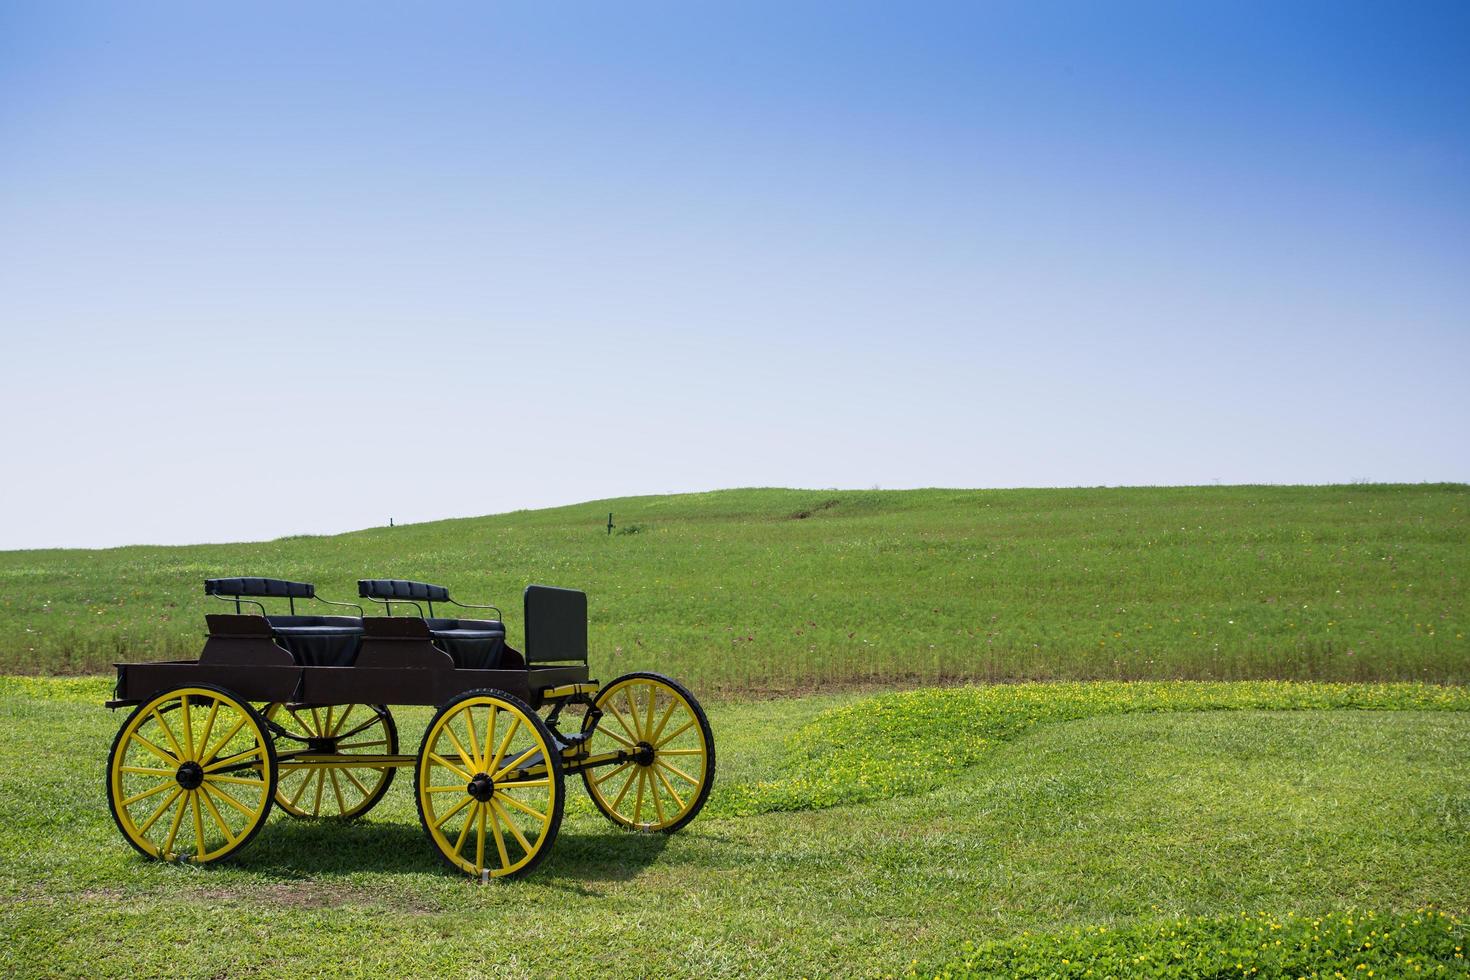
x=289, y=684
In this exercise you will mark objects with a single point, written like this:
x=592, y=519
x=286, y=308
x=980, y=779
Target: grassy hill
x=774, y=589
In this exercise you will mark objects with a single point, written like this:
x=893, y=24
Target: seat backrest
x=556, y=625
x=398, y=588
x=263, y=588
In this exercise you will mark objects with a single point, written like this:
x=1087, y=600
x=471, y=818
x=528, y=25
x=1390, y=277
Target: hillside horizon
x=600, y=503
x=783, y=590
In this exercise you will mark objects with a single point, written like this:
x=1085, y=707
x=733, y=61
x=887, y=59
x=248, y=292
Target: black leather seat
x=319, y=641
x=476, y=644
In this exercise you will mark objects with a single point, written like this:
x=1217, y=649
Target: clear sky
x=272, y=269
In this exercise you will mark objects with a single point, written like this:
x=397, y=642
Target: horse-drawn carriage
x=293, y=711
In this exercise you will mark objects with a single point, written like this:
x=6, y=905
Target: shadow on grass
x=294, y=849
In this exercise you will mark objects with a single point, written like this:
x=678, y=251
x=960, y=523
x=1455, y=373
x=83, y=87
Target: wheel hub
x=482, y=787
x=643, y=754
x=190, y=775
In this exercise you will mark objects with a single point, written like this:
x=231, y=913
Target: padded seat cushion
x=319, y=641
x=475, y=644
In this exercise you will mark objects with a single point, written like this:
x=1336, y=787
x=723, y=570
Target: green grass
x=790, y=590
x=1425, y=942
x=1125, y=821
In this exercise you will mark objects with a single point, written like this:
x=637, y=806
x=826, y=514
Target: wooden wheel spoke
x=515, y=723
x=469, y=723
x=658, y=802
x=490, y=726
x=145, y=771
x=151, y=792
x=470, y=764
x=465, y=830
x=228, y=799
x=614, y=735
x=156, y=750
x=499, y=838
x=599, y=780
x=633, y=712
x=219, y=820
x=441, y=821
x=624, y=791
x=169, y=734
x=516, y=762
x=199, y=847
x=219, y=746
x=443, y=789
x=638, y=804
x=680, y=731
x=648, y=721
x=173, y=829
x=480, y=839
x=360, y=728
x=676, y=771
x=664, y=752
x=621, y=721
x=497, y=809
x=543, y=817
x=238, y=757
x=342, y=720
x=438, y=759
x=188, y=726
x=301, y=724
x=337, y=791
x=321, y=783
x=208, y=729
x=668, y=713
x=163, y=807
x=300, y=790
x=215, y=777
x=354, y=780
x=678, y=800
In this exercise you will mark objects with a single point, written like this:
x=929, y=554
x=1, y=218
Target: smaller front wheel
x=663, y=784
x=489, y=785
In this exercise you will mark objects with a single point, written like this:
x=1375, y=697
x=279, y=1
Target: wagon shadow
x=311, y=848
x=607, y=856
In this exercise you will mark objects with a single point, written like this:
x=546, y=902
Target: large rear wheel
x=489, y=785
x=191, y=775
x=671, y=765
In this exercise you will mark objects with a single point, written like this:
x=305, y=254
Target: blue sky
x=273, y=269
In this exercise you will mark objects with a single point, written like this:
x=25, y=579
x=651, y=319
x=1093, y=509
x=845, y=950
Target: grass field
x=785, y=590
x=1081, y=832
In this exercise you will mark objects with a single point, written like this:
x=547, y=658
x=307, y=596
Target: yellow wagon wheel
x=338, y=792
x=191, y=775
x=656, y=721
x=489, y=782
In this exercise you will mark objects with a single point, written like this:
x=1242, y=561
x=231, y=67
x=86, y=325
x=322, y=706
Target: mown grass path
x=1117, y=820
x=788, y=590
